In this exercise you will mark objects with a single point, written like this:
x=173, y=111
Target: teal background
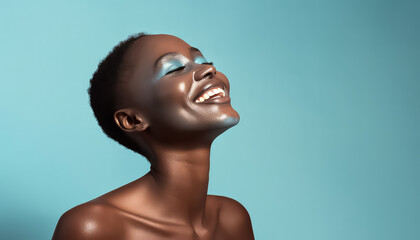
x=328, y=93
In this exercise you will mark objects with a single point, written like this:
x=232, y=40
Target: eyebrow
x=192, y=49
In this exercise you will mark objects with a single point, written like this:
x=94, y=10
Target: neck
x=181, y=178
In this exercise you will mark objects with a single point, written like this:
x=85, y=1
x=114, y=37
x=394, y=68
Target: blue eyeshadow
x=200, y=60
x=169, y=66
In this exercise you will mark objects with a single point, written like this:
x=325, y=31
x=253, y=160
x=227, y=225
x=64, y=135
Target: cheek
x=170, y=92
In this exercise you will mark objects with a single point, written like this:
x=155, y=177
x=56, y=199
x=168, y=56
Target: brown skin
x=160, y=113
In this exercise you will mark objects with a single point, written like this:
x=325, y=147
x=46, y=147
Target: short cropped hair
x=102, y=93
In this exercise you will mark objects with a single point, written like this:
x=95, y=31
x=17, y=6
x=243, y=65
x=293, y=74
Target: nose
x=205, y=71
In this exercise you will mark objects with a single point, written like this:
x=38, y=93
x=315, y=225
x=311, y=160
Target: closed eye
x=208, y=63
x=176, y=69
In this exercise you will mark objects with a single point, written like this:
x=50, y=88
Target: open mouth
x=211, y=95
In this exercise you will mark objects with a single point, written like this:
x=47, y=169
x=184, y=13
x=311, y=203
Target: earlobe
x=127, y=120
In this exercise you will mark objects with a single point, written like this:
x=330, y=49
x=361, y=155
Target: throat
x=181, y=181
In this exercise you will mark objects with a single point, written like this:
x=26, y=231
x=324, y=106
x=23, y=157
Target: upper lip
x=207, y=86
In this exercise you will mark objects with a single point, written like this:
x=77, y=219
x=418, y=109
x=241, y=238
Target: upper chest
x=143, y=228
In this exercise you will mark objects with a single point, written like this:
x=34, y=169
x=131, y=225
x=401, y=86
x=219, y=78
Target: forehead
x=146, y=50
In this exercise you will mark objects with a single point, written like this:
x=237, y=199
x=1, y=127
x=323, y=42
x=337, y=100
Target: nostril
x=208, y=75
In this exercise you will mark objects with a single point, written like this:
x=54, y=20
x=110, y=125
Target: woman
x=158, y=96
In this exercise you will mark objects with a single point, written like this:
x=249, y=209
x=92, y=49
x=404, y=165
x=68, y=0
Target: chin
x=229, y=121
x=225, y=121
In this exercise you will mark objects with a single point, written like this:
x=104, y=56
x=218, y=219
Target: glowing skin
x=173, y=93
x=156, y=106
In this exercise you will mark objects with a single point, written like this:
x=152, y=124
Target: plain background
x=328, y=93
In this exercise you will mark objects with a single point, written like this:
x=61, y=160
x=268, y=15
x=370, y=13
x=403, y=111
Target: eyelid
x=171, y=65
x=201, y=60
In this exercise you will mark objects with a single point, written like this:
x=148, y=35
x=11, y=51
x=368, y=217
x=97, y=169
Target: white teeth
x=209, y=94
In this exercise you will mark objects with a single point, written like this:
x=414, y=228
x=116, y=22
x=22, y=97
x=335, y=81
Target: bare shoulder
x=91, y=220
x=233, y=217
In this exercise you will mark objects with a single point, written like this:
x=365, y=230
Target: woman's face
x=174, y=88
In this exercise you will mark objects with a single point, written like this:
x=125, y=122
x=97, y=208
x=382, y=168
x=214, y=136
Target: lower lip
x=225, y=99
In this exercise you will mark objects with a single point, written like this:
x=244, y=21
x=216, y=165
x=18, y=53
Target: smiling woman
x=160, y=97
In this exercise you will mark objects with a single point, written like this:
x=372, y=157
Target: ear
x=130, y=121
